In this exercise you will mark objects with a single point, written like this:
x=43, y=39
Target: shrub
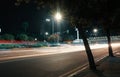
x=7, y=37
x=23, y=37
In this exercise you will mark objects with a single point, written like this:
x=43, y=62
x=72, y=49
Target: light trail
x=73, y=48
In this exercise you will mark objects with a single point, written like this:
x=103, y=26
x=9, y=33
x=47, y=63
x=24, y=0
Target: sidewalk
x=108, y=67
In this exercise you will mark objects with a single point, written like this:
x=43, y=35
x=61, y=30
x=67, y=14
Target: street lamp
x=0, y=30
x=95, y=30
x=35, y=39
x=95, y=33
x=48, y=20
x=46, y=33
x=45, y=36
x=58, y=17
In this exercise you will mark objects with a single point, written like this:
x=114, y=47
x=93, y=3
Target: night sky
x=12, y=17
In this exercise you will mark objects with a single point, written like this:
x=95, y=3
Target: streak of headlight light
x=98, y=46
x=115, y=44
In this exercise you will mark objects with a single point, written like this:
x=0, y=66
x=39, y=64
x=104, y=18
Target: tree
x=8, y=37
x=23, y=37
x=109, y=18
x=54, y=38
x=31, y=38
x=25, y=25
x=67, y=37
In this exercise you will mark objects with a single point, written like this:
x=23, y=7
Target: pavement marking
x=74, y=71
x=97, y=60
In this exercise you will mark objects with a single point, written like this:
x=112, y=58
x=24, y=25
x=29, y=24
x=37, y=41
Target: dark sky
x=12, y=17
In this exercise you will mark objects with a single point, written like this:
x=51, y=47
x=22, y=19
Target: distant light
x=86, y=30
x=0, y=30
x=35, y=39
x=67, y=31
x=48, y=20
x=95, y=30
x=58, y=16
x=76, y=29
x=46, y=33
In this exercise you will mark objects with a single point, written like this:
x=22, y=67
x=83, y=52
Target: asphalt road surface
x=54, y=65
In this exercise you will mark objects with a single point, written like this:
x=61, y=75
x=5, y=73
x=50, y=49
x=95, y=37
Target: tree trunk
x=88, y=50
x=109, y=43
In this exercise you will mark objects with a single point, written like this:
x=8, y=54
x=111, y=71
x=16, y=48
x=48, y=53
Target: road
x=53, y=65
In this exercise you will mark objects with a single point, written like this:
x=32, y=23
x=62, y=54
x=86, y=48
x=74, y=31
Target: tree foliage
x=30, y=38
x=25, y=25
x=23, y=37
x=8, y=37
x=54, y=38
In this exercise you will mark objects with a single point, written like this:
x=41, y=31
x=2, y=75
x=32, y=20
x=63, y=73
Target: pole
x=52, y=26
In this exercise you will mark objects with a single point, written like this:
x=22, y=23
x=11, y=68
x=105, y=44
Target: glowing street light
x=58, y=16
x=95, y=30
x=46, y=33
x=35, y=39
x=0, y=30
x=48, y=20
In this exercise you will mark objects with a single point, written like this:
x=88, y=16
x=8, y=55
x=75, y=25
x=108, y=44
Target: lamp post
x=35, y=39
x=46, y=33
x=45, y=36
x=0, y=30
x=58, y=18
x=95, y=32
